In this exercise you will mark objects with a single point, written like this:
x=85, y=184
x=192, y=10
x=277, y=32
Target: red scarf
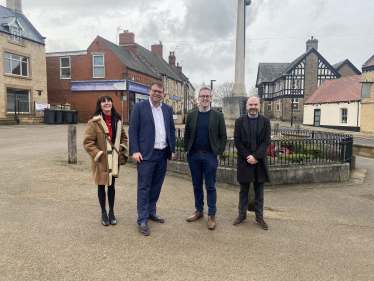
x=108, y=122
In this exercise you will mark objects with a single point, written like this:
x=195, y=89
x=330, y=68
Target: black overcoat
x=245, y=171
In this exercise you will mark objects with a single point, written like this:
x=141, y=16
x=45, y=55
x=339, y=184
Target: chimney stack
x=14, y=5
x=126, y=37
x=172, y=58
x=157, y=49
x=311, y=43
x=127, y=41
x=179, y=67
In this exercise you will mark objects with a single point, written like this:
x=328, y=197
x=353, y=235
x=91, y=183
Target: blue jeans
x=151, y=174
x=204, y=165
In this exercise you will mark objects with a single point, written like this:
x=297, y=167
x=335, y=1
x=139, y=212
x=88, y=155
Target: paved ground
x=51, y=226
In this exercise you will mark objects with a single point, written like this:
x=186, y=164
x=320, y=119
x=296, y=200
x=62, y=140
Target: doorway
x=317, y=117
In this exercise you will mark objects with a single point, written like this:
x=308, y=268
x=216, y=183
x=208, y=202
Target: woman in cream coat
x=105, y=122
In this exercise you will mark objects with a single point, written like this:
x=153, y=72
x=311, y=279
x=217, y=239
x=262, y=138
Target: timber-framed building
x=285, y=86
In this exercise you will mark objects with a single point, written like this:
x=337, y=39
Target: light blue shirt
x=253, y=117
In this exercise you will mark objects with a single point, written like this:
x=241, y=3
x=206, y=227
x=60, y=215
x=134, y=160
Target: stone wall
x=346, y=70
x=280, y=175
x=37, y=79
x=367, y=106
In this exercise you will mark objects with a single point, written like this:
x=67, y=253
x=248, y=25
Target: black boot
x=104, y=219
x=112, y=218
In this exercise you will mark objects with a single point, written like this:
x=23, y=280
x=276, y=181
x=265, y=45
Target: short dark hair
x=158, y=84
x=205, y=88
x=98, y=107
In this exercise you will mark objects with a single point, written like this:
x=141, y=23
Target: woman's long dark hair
x=98, y=107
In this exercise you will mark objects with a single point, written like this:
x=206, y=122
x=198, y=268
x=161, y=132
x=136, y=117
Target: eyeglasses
x=157, y=92
x=204, y=97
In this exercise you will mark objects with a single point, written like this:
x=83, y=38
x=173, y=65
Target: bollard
x=72, y=144
x=251, y=198
x=297, y=127
x=276, y=127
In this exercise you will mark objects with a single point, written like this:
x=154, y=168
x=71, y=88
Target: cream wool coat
x=104, y=159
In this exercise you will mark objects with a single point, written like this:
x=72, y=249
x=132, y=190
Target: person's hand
x=172, y=157
x=137, y=156
x=251, y=160
x=218, y=157
x=121, y=148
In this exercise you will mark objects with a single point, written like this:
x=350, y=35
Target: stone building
x=284, y=87
x=23, y=64
x=367, y=97
x=80, y=77
x=174, y=85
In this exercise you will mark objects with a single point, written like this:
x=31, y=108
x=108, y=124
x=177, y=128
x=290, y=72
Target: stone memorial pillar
x=233, y=107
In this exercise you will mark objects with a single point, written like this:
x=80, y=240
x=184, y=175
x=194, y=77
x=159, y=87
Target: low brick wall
x=281, y=175
x=31, y=120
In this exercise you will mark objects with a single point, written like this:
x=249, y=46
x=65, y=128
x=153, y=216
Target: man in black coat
x=252, y=140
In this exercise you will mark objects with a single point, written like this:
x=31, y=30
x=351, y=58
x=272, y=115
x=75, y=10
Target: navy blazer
x=142, y=129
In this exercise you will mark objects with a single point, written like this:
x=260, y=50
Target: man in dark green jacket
x=204, y=143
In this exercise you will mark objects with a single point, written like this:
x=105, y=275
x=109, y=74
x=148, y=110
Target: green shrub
x=293, y=158
x=228, y=155
x=179, y=112
x=307, y=150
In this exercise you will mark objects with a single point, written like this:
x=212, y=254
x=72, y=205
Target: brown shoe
x=239, y=220
x=212, y=222
x=262, y=223
x=195, y=216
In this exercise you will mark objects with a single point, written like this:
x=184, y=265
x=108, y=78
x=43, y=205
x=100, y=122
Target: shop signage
x=138, y=88
x=98, y=86
x=142, y=97
x=174, y=98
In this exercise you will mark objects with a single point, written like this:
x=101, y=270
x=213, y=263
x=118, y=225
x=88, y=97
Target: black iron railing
x=290, y=147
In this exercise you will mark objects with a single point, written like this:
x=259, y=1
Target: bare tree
x=221, y=91
x=253, y=91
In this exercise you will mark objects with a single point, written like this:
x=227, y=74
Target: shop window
x=65, y=68
x=278, y=105
x=98, y=67
x=16, y=65
x=15, y=95
x=344, y=114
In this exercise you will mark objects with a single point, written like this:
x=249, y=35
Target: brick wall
x=82, y=70
x=367, y=106
x=37, y=79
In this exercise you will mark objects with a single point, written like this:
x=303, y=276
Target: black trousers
x=258, y=202
x=102, y=196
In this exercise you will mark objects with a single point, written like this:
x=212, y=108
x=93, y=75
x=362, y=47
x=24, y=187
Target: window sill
x=65, y=78
x=16, y=76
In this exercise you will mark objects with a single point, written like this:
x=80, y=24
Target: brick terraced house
x=78, y=78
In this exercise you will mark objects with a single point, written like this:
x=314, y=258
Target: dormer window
x=16, y=33
x=15, y=28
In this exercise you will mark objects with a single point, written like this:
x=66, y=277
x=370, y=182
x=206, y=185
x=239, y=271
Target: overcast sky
x=204, y=30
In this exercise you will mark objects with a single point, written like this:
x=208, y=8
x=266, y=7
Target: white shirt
x=158, y=117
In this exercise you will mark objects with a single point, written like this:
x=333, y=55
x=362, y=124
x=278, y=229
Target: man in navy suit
x=152, y=142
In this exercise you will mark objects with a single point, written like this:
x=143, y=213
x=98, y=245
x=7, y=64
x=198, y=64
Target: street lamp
x=211, y=85
x=211, y=90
